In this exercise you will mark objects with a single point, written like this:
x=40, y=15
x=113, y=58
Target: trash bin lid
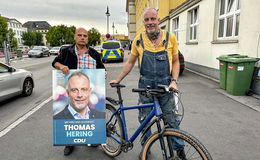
x=225, y=57
x=242, y=60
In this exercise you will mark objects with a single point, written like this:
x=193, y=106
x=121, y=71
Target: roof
x=10, y=19
x=37, y=25
x=14, y=20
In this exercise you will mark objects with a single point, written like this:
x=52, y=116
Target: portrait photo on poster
x=79, y=107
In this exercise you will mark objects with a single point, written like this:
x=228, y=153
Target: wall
x=205, y=52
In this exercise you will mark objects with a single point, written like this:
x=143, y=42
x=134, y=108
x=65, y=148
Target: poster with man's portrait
x=79, y=107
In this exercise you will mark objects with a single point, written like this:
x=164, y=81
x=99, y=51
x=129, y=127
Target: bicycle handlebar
x=162, y=89
x=117, y=85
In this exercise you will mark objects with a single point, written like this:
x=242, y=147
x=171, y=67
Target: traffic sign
x=107, y=35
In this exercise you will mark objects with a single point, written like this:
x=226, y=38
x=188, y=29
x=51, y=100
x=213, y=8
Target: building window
x=175, y=27
x=193, y=24
x=228, y=21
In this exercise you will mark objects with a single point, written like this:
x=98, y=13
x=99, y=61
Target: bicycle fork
x=162, y=142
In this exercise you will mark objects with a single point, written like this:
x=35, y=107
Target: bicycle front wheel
x=114, y=133
x=193, y=149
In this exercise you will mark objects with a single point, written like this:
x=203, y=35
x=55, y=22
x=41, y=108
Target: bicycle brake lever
x=173, y=90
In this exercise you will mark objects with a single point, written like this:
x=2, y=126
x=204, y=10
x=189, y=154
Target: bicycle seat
x=117, y=85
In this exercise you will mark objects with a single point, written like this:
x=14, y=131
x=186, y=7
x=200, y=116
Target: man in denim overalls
x=157, y=51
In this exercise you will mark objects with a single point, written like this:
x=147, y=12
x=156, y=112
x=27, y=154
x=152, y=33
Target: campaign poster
x=79, y=107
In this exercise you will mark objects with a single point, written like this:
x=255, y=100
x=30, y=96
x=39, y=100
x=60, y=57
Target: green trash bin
x=239, y=75
x=223, y=67
x=19, y=53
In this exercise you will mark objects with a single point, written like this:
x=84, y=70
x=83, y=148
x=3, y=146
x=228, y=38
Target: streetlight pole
x=113, y=26
x=107, y=14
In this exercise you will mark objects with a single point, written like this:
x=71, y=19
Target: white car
x=39, y=51
x=14, y=82
x=55, y=50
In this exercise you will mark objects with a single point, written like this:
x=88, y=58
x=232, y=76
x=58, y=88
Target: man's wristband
x=174, y=80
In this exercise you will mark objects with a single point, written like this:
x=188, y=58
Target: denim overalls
x=155, y=69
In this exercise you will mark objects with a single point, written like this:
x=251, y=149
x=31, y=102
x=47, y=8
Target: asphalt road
x=230, y=130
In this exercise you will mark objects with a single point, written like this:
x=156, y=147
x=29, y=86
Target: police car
x=112, y=51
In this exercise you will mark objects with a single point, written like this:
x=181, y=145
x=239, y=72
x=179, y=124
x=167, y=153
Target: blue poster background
x=79, y=131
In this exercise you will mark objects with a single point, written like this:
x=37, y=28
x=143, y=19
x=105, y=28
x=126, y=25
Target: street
x=228, y=129
x=18, y=106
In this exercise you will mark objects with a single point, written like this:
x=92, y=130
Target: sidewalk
x=249, y=101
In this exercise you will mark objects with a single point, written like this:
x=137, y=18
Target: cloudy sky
x=80, y=13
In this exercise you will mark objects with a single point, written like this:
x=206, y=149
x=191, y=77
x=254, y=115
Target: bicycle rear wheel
x=114, y=133
x=193, y=149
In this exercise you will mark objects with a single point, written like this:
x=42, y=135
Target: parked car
x=39, y=51
x=24, y=49
x=182, y=64
x=15, y=82
x=55, y=50
x=64, y=46
x=111, y=51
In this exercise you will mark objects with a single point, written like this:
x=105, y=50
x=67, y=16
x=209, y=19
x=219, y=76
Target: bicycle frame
x=164, y=134
x=156, y=111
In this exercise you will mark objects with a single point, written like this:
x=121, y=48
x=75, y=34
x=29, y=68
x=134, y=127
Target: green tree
x=59, y=35
x=12, y=40
x=93, y=37
x=38, y=39
x=3, y=30
x=29, y=38
x=3, y=34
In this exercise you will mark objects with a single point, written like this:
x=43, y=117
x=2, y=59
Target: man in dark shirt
x=78, y=55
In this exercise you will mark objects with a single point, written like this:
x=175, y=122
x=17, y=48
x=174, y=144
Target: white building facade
x=207, y=29
x=17, y=28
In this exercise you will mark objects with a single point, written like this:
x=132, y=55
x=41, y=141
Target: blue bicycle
x=156, y=146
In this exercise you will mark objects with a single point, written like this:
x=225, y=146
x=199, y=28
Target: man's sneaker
x=68, y=150
x=181, y=154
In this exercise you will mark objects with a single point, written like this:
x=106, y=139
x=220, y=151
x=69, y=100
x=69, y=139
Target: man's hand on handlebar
x=173, y=85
